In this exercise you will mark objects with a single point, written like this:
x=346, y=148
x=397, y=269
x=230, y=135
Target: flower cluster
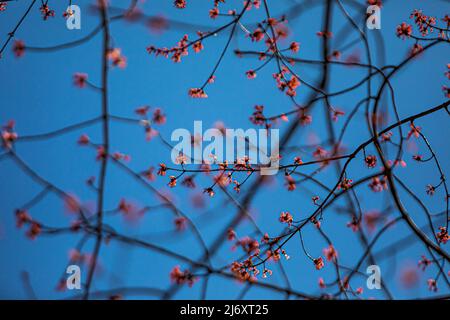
x=284, y=83
x=182, y=277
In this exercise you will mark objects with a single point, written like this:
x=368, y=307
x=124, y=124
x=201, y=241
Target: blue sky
x=37, y=91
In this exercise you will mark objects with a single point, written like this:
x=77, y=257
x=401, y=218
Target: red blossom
x=336, y=113
x=162, y=169
x=80, y=79
x=182, y=277
x=159, y=117
x=180, y=4
x=214, y=13
x=172, y=181
x=231, y=234
x=84, y=140
x=286, y=217
x=19, y=48
x=290, y=183
x=294, y=47
x=404, y=30
x=34, y=231
x=415, y=131
x=345, y=184
x=319, y=263
x=371, y=161
x=46, y=12
x=322, y=283
x=330, y=253
x=116, y=58
x=251, y=74
x=424, y=263
x=257, y=35
x=197, y=93
x=9, y=136
x=442, y=235
x=180, y=223
x=198, y=46
x=378, y=184
x=22, y=217
x=432, y=285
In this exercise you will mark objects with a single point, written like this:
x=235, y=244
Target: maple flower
x=294, y=47
x=173, y=181
x=354, y=224
x=336, y=113
x=162, y=169
x=46, y=12
x=442, y=235
x=305, y=119
x=8, y=137
x=209, y=191
x=320, y=153
x=318, y=263
x=251, y=74
x=182, y=277
x=159, y=117
x=231, y=234
x=298, y=160
x=72, y=203
x=371, y=219
x=79, y=79
x=149, y=174
x=446, y=91
x=330, y=253
x=322, y=283
x=325, y=34
x=290, y=182
x=249, y=245
x=188, y=182
x=142, y=111
x=197, y=93
x=22, y=217
x=414, y=131
x=371, y=161
x=378, y=184
x=432, y=285
x=345, y=184
x=34, y=231
x=239, y=271
x=83, y=140
x=404, y=30
x=424, y=263
x=101, y=153
x=416, y=49
x=125, y=206
x=19, y=48
x=116, y=57
x=286, y=217
x=180, y=4
x=257, y=35
x=180, y=223
x=198, y=46
x=214, y=13
x=430, y=189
